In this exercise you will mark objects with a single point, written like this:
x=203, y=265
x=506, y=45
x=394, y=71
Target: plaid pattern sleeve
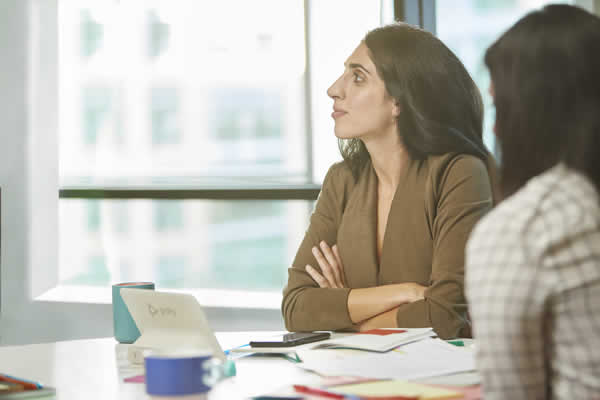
x=533, y=285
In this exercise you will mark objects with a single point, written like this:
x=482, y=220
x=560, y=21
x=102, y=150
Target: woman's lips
x=338, y=114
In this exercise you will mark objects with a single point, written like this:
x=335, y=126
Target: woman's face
x=361, y=106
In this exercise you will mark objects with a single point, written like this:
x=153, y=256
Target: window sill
x=221, y=298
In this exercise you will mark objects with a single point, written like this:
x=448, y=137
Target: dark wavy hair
x=545, y=74
x=441, y=110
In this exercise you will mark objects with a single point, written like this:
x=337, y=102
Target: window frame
x=416, y=12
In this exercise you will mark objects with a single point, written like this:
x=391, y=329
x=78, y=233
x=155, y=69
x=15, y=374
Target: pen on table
x=233, y=348
x=318, y=392
x=458, y=343
x=26, y=383
x=333, y=395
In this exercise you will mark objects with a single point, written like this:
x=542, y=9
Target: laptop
x=170, y=321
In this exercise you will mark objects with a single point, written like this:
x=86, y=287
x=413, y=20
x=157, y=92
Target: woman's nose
x=336, y=91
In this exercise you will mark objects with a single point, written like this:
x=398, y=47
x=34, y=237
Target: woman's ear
x=396, y=109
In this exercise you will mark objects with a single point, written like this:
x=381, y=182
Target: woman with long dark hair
x=385, y=245
x=533, y=264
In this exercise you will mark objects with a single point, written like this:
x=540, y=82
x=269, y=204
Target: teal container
x=125, y=329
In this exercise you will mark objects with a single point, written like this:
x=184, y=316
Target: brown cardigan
x=437, y=203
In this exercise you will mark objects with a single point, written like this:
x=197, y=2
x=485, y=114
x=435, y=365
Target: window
x=164, y=118
x=91, y=34
x=168, y=215
x=120, y=217
x=248, y=123
x=252, y=259
x=179, y=98
x=172, y=272
x=487, y=20
x=184, y=244
x=93, y=216
x=158, y=34
x=95, y=274
x=96, y=113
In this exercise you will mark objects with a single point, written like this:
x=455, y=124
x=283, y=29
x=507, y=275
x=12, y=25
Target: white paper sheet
x=377, y=342
x=422, y=359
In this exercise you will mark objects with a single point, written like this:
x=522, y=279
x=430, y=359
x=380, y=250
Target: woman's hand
x=370, y=302
x=332, y=269
x=412, y=292
x=415, y=292
x=384, y=320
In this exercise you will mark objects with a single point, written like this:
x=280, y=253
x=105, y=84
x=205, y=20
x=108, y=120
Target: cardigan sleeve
x=306, y=306
x=460, y=194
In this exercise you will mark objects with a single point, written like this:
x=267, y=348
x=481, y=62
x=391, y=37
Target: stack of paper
x=421, y=359
x=380, y=340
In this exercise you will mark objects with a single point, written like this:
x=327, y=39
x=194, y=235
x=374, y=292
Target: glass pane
x=186, y=94
x=482, y=22
x=244, y=245
x=151, y=88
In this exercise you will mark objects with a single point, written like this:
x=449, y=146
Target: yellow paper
x=390, y=388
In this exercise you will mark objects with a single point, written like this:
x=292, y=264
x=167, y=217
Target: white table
x=95, y=368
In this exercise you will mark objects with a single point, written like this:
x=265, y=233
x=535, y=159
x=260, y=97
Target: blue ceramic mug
x=126, y=331
x=180, y=373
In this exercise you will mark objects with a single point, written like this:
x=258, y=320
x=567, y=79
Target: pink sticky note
x=135, y=379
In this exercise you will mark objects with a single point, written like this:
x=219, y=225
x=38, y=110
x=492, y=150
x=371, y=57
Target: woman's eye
x=358, y=78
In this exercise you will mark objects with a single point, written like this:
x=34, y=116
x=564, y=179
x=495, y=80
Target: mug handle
x=213, y=372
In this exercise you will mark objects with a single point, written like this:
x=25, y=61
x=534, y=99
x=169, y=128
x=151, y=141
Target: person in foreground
x=533, y=264
x=385, y=245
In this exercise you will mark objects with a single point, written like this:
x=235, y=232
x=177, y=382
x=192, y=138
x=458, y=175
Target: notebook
x=379, y=340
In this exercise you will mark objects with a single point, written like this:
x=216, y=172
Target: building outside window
x=164, y=116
